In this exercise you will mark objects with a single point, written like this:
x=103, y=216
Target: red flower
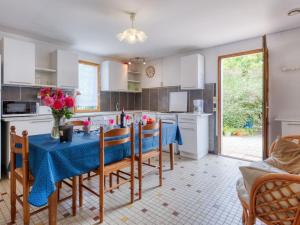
x=45, y=92
x=48, y=101
x=69, y=102
x=58, y=105
x=59, y=93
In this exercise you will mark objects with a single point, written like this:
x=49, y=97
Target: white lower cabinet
x=194, y=132
x=34, y=127
x=290, y=128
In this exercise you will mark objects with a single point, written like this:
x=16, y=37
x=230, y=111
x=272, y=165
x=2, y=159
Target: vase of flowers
x=127, y=120
x=111, y=123
x=61, y=105
x=86, y=126
x=144, y=119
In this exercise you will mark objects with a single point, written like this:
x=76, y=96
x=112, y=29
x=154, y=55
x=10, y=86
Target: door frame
x=219, y=94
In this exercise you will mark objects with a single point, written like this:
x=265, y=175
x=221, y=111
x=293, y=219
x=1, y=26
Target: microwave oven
x=19, y=108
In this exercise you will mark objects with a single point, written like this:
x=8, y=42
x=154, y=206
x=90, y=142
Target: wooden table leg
x=52, y=202
x=171, y=148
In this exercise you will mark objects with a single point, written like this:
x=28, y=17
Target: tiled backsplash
x=151, y=99
x=157, y=99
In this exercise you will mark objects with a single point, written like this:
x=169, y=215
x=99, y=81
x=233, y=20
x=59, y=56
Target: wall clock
x=150, y=71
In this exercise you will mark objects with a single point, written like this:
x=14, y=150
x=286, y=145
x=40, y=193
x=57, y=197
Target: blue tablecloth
x=51, y=161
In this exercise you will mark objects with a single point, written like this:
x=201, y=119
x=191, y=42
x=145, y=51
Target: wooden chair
x=117, y=137
x=148, y=131
x=20, y=145
x=274, y=198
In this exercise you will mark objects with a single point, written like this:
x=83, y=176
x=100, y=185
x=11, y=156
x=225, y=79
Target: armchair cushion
x=286, y=156
x=241, y=191
x=255, y=170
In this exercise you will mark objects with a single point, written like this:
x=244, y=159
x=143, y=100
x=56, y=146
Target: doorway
x=241, y=104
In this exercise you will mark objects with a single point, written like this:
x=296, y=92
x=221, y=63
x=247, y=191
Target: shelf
x=45, y=70
x=134, y=72
x=129, y=91
x=134, y=81
x=45, y=85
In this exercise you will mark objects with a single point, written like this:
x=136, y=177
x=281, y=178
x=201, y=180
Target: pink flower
x=69, y=102
x=45, y=92
x=48, y=101
x=86, y=123
x=127, y=117
x=144, y=117
x=58, y=105
x=111, y=122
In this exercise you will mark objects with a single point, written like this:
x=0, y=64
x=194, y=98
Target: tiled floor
x=243, y=147
x=196, y=192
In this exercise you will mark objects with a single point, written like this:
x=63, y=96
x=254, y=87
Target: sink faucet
x=117, y=106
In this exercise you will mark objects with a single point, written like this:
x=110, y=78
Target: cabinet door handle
x=186, y=120
x=186, y=128
x=189, y=86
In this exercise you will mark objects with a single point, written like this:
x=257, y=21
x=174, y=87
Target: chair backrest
x=294, y=138
x=275, y=199
x=116, y=137
x=19, y=145
x=150, y=130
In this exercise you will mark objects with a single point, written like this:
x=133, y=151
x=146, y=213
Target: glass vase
x=55, y=128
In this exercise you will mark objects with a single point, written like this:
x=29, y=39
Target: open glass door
x=243, y=104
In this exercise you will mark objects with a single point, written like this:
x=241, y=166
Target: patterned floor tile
x=196, y=192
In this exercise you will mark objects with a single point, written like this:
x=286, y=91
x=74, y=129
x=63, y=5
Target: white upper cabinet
x=114, y=76
x=18, y=62
x=66, y=64
x=192, y=72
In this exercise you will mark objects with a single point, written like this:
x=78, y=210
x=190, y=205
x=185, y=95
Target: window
x=88, y=100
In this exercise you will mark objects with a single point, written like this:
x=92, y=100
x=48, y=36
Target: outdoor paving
x=246, y=147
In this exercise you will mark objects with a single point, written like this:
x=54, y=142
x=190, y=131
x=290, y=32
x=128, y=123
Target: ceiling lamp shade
x=132, y=35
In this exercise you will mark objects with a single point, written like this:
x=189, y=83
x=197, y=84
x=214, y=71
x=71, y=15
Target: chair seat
x=242, y=192
x=148, y=155
x=19, y=175
x=115, y=166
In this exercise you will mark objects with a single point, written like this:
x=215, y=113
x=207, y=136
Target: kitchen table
x=51, y=161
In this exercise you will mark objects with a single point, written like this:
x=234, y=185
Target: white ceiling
x=172, y=26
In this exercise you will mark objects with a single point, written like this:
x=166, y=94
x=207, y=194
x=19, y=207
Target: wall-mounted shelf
x=45, y=85
x=129, y=91
x=45, y=70
x=134, y=81
x=134, y=72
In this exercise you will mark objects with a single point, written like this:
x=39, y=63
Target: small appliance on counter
x=198, y=105
x=19, y=108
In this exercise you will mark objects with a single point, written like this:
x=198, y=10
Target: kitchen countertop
x=288, y=118
x=92, y=114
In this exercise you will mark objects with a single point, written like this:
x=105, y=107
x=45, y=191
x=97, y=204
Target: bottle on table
x=122, y=118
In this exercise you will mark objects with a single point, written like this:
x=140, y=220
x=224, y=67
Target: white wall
x=284, y=51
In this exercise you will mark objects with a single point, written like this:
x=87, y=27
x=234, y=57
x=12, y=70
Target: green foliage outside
x=242, y=94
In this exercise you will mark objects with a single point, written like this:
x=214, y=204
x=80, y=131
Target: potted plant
x=61, y=105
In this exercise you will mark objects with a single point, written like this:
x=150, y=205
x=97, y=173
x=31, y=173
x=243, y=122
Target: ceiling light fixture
x=137, y=60
x=132, y=35
x=294, y=12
